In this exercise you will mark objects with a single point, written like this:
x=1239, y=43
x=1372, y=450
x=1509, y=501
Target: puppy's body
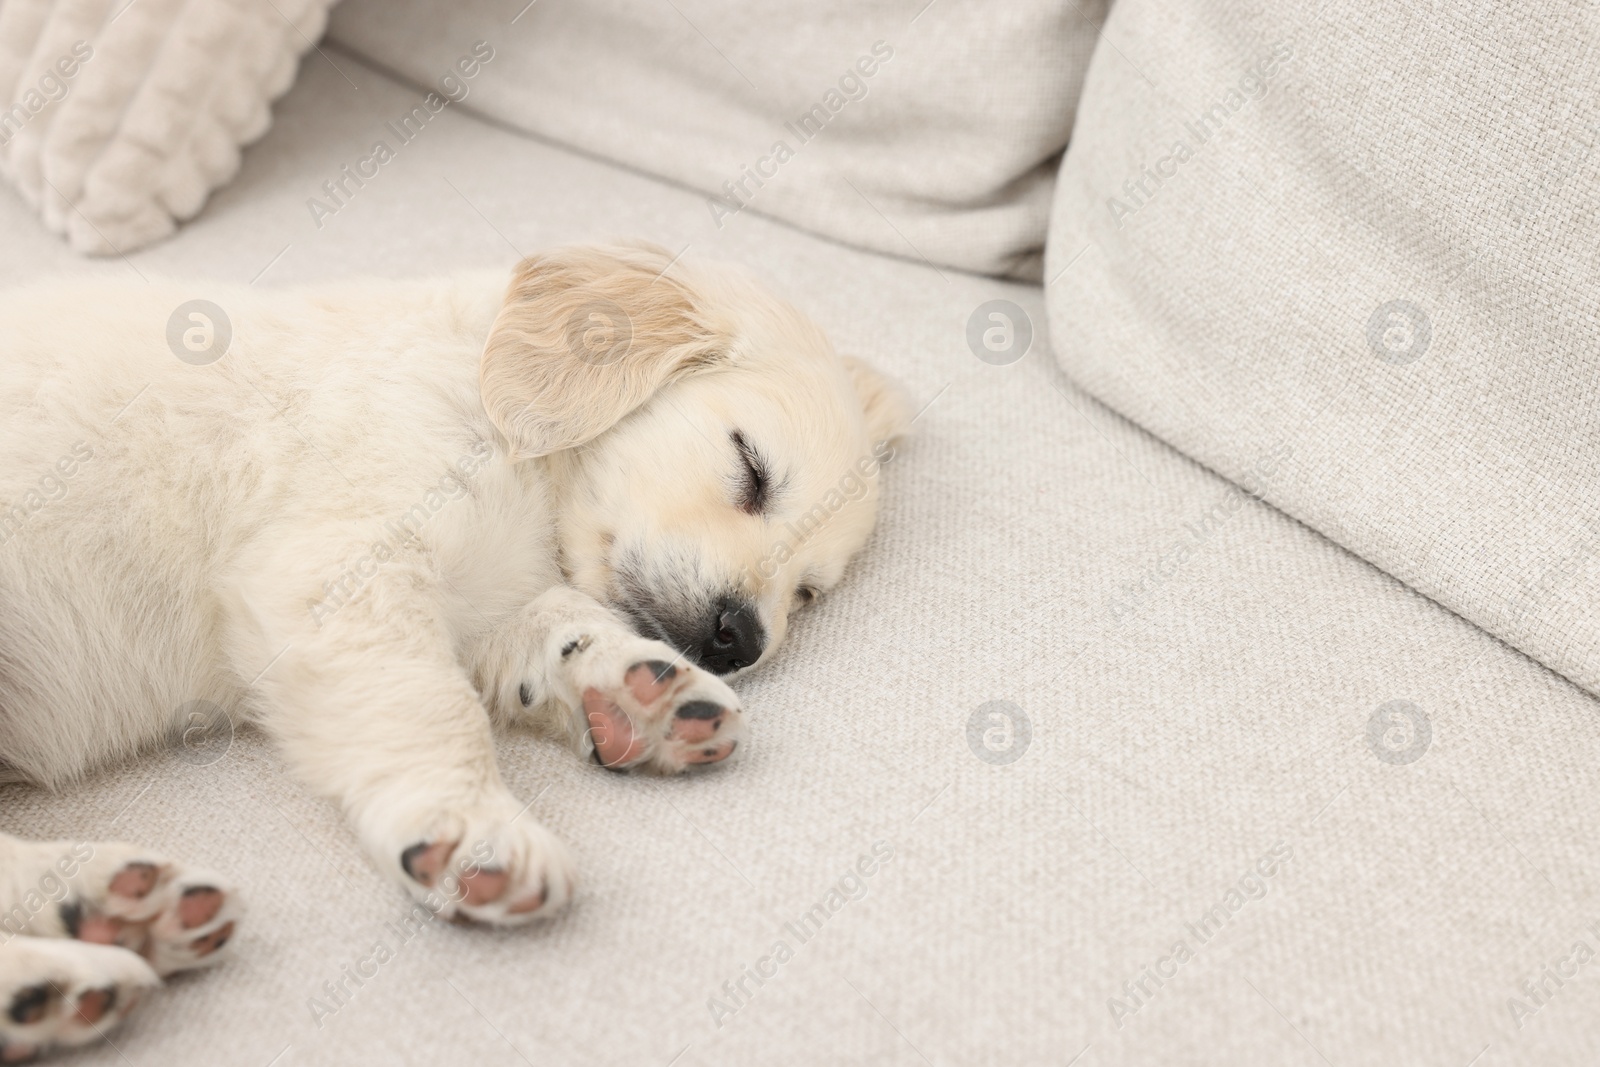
x=380, y=520
x=204, y=515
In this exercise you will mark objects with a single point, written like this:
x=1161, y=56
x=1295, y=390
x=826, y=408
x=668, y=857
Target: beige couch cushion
x=930, y=134
x=1348, y=259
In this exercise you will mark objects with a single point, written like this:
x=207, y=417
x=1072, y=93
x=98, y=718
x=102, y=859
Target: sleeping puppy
x=380, y=521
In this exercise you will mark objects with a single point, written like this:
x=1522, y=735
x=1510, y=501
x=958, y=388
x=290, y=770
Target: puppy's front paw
x=645, y=706
x=61, y=994
x=487, y=863
x=176, y=917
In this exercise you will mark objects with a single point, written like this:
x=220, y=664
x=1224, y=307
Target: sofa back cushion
x=1346, y=256
x=932, y=134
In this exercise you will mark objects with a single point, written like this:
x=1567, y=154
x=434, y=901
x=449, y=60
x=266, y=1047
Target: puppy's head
x=716, y=463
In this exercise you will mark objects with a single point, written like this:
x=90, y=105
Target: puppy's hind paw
x=62, y=994
x=176, y=917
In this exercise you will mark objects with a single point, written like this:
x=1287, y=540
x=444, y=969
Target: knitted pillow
x=118, y=118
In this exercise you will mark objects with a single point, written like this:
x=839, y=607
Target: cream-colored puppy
x=379, y=520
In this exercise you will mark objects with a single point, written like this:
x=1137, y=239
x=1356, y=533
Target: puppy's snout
x=736, y=638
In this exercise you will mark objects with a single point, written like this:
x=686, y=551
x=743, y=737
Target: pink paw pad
x=650, y=680
x=616, y=744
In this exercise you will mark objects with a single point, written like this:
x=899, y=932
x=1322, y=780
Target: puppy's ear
x=884, y=402
x=585, y=336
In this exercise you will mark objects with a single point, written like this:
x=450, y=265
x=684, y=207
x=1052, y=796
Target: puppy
x=380, y=521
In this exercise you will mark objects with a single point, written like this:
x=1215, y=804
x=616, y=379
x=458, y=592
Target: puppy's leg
x=112, y=893
x=625, y=700
x=61, y=994
x=374, y=709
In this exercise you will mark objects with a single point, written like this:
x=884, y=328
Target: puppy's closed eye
x=754, y=492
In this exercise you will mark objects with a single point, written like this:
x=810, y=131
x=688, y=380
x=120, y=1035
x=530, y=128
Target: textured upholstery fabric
x=1188, y=722
x=932, y=134
x=117, y=119
x=1365, y=235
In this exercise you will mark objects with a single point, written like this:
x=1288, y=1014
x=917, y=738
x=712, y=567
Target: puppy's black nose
x=737, y=637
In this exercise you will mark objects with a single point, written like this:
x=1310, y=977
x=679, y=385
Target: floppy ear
x=887, y=410
x=586, y=335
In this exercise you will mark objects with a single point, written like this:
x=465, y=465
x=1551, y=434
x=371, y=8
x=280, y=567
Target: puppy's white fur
x=394, y=515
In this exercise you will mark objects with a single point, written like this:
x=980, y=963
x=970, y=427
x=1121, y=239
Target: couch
x=1097, y=757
